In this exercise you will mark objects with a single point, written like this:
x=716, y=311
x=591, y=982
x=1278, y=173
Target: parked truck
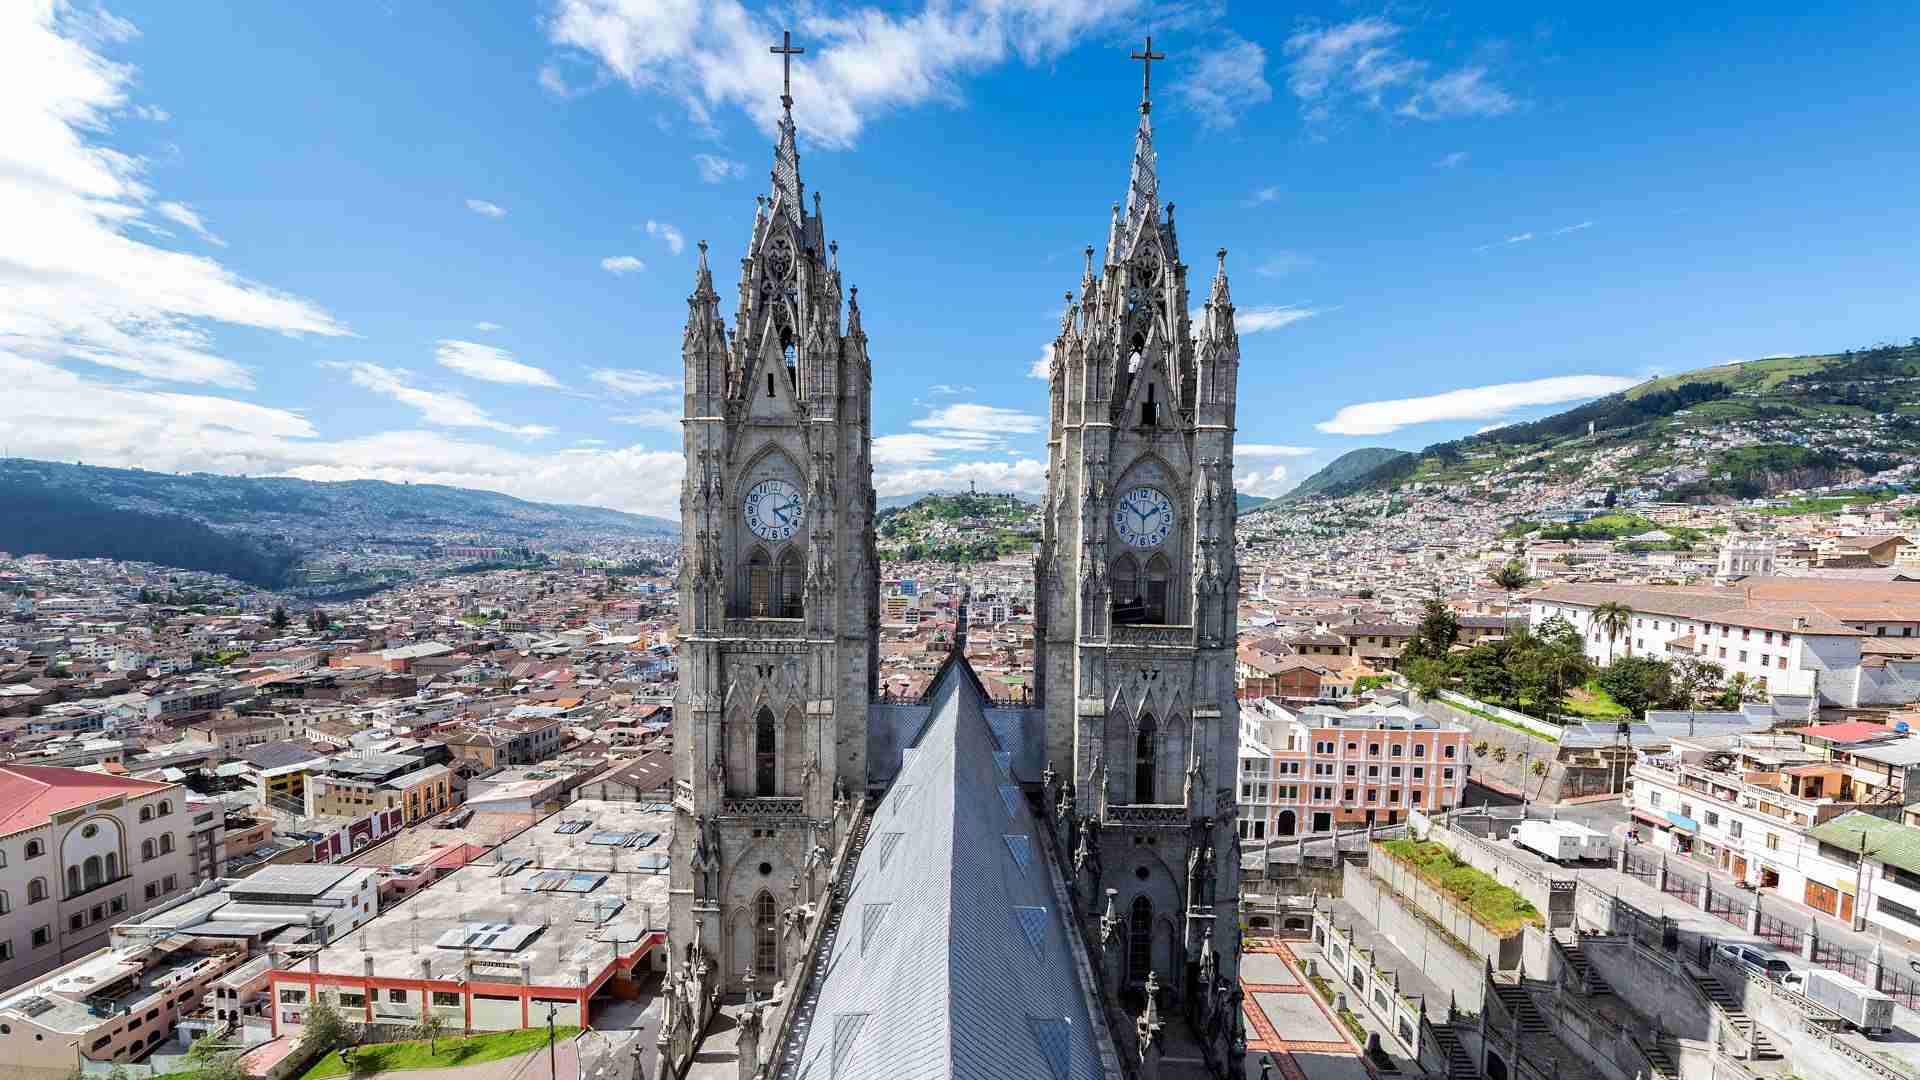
x=1860, y=1005
x=1560, y=841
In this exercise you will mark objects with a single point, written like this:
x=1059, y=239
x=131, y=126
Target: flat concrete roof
x=578, y=932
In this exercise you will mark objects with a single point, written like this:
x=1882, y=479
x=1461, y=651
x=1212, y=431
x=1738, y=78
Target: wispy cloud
x=441, y=408
x=486, y=327
x=1523, y=237
x=77, y=286
x=1269, y=450
x=1269, y=484
x=1362, y=61
x=1224, y=81
x=965, y=429
x=486, y=209
x=622, y=264
x=1262, y=197
x=1282, y=263
x=946, y=390
x=490, y=364
x=1448, y=161
x=712, y=55
x=1565, y=229
x=715, y=169
x=1259, y=320
x=1470, y=403
x=631, y=382
x=182, y=214
x=657, y=419
x=667, y=235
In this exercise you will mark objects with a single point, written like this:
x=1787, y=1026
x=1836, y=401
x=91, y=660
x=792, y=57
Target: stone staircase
x=1520, y=1004
x=1587, y=979
x=1664, y=1067
x=1459, y=1065
x=1736, y=1017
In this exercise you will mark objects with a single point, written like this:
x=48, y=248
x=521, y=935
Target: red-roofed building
x=1849, y=733
x=83, y=851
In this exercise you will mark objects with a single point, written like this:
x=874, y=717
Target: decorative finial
x=1089, y=260
x=1222, y=256
x=1146, y=75
x=787, y=51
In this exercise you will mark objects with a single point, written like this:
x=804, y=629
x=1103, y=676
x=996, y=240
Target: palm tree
x=1512, y=575
x=1614, y=619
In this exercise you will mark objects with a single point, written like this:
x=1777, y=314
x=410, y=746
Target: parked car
x=1758, y=963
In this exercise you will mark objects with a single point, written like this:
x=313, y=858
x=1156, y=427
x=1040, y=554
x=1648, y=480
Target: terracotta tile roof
x=32, y=793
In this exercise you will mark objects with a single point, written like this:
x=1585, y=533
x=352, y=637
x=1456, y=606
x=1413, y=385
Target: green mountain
x=967, y=527
x=1345, y=469
x=260, y=529
x=1243, y=503
x=1733, y=431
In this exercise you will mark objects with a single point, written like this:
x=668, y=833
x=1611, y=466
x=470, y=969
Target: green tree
x=1438, y=630
x=1483, y=672
x=1637, y=682
x=1614, y=620
x=430, y=1028
x=1696, y=682
x=279, y=617
x=325, y=1029
x=319, y=621
x=1512, y=575
x=1428, y=674
x=1741, y=689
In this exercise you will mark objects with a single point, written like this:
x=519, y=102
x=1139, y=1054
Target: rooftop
x=1885, y=841
x=575, y=893
x=33, y=793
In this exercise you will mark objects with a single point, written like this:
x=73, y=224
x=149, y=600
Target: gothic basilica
x=948, y=887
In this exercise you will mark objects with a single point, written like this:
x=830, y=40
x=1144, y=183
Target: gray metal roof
x=953, y=959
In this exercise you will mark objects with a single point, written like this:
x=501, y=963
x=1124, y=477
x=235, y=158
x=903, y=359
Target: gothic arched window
x=766, y=936
x=787, y=585
x=1125, y=580
x=1154, y=595
x=1140, y=940
x=765, y=775
x=1149, y=409
x=759, y=585
x=1145, y=759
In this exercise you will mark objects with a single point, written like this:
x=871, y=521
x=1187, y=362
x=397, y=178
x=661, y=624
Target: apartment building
x=349, y=785
x=1750, y=805
x=1311, y=771
x=80, y=851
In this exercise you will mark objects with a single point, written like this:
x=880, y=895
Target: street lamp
x=552, y=1069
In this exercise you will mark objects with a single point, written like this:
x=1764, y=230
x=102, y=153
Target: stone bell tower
x=1137, y=591
x=778, y=590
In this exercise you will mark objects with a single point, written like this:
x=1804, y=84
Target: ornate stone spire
x=786, y=155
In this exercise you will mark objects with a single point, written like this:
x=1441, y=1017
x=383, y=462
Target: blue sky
x=454, y=243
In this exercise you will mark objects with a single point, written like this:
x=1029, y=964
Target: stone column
x=1811, y=941
x=751, y=1022
x=1753, y=914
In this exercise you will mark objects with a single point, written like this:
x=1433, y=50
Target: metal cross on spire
x=787, y=51
x=1146, y=74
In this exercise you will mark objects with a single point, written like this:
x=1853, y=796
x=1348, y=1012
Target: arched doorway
x=1496, y=1066
x=1289, y=823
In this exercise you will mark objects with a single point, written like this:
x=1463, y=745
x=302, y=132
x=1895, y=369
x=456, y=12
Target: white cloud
x=621, y=264
x=490, y=364
x=715, y=169
x=1256, y=320
x=1448, y=161
x=1226, y=80
x=74, y=285
x=984, y=419
x=667, y=235
x=1269, y=484
x=486, y=209
x=1472, y=403
x=61, y=415
x=1282, y=263
x=486, y=327
x=1269, y=450
x=925, y=448
x=713, y=55
x=1362, y=61
x=1262, y=197
x=631, y=382
x=152, y=113
x=658, y=419
x=1025, y=475
x=1565, y=229
x=181, y=213
x=441, y=408
x=945, y=390
x=1516, y=238
x=1043, y=367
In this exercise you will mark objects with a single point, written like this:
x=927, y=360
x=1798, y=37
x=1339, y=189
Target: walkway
x=1314, y=1046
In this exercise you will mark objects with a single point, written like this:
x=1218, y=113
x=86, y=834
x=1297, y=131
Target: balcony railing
x=1150, y=634
x=1153, y=815
x=765, y=628
x=764, y=806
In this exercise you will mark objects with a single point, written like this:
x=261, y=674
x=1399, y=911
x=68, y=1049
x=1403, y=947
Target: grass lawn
x=1491, y=904
x=1590, y=702
x=453, y=1050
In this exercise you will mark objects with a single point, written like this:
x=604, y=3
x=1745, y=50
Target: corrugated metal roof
x=1889, y=842
x=947, y=913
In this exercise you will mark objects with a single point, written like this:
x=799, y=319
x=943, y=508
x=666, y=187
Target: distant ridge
x=1345, y=469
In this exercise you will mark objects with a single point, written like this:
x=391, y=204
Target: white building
x=1744, y=555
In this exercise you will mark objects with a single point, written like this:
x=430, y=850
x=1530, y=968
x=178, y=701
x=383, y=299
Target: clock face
x=774, y=510
x=1143, y=516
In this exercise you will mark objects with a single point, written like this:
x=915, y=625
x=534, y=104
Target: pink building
x=1311, y=771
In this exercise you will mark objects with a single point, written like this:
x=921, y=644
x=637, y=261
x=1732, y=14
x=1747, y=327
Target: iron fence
x=1681, y=885
x=1726, y=907
x=1844, y=960
x=1641, y=867
x=1779, y=932
x=1901, y=987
